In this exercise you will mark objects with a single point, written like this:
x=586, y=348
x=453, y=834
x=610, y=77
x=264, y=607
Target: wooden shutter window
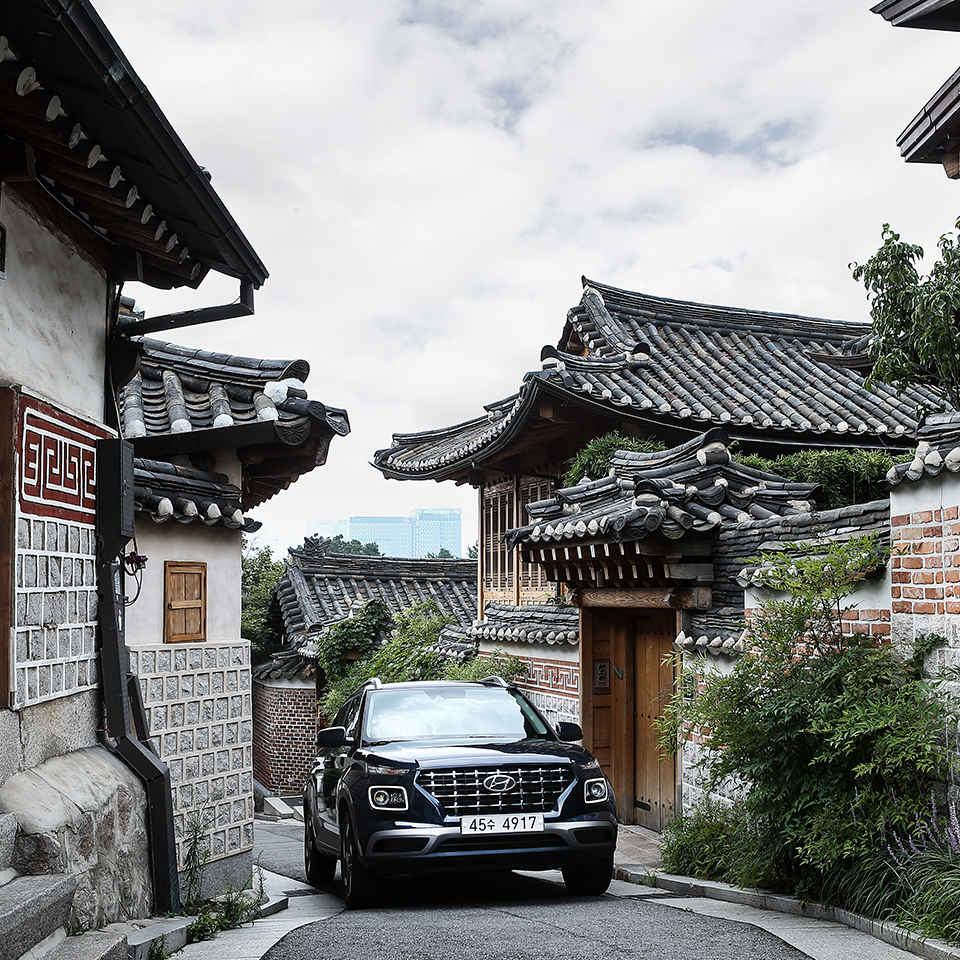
x=185, y=600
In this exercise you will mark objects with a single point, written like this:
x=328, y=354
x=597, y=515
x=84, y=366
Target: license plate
x=503, y=823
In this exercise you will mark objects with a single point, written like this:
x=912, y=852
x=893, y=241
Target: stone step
x=32, y=909
x=8, y=836
x=95, y=945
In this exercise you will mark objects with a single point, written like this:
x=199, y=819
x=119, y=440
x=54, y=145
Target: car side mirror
x=569, y=732
x=331, y=737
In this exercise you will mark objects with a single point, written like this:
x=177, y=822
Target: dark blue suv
x=446, y=776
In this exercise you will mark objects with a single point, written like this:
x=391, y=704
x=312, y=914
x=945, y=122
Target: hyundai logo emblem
x=499, y=783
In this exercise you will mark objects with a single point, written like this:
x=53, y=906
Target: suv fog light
x=595, y=790
x=388, y=798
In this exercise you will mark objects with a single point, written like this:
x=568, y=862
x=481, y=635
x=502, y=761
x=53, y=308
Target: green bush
x=838, y=737
x=845, y=476
x=593, y=460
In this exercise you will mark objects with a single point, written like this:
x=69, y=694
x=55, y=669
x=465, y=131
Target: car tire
x=319, y=867
x=588, y=879
x=358, y=881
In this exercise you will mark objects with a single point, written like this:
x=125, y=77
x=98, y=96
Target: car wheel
x=318, y=867
x=358, y=881
x=588, y=879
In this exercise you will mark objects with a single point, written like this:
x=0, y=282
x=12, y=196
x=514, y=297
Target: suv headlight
x=387, y=798
x=595, y=791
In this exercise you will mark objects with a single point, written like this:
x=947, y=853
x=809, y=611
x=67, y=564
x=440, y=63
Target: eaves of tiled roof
x=317, y=590
x=938, y=450
x=538, y=623
x=694, y=487
x=168, y=492
x=925, y=14
x=184, y=400
x=677, y=368
x=97, y=151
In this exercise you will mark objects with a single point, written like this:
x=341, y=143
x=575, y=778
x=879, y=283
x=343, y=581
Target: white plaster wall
x=218, y=547
x=52, y=313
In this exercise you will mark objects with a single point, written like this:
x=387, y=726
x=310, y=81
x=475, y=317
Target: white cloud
x=427, y=181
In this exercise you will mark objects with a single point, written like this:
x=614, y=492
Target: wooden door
x=654, y=793
x=623, y=675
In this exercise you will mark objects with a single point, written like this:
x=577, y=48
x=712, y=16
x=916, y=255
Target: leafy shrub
x=352, y=639
x=479, y=668
x=406, y=656
x=593, y=460
x=845, y=476
x=824, y=727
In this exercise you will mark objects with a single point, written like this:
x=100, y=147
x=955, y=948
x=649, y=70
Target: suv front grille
x=461, y=791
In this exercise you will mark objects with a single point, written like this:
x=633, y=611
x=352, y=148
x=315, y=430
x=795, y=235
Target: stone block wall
x=200, y=712
x=285, y=733
x=83, y=814
x=56, y=610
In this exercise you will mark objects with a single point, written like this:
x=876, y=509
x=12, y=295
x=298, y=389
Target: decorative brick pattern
x=199, y=708
x=56, y=610
x=553, y=686
x=285, y=734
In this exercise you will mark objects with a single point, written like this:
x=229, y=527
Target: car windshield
x=442, y=712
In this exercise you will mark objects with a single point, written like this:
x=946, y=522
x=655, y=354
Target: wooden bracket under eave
x=951, y=160
x=17, y=162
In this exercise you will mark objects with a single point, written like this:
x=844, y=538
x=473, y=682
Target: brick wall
x=926, y=561
x=284, y=734
x=200, y=713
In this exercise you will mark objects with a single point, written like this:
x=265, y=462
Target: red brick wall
x=284, y=736
x=925, y=565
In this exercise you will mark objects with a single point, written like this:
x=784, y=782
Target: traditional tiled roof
x=926, y=14
x=186, y=400
x=693, y=487
x=318, y=590
x=938, y=450
x=166, y=491
x=720, y=630
x=286, y=665
x=532, y=623
x=676, y=367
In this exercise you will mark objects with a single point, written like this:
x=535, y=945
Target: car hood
x=431, y=754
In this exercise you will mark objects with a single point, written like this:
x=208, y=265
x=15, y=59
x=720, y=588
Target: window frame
x=172, y=568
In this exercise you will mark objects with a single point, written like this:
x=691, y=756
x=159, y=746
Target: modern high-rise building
x=394, y=535
x=425, y=531
x=434, y=530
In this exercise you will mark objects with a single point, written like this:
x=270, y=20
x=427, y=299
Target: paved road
x=510, y=917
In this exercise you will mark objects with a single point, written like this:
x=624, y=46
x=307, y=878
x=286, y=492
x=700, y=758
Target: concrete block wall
x=285, y=733
x=56, y=610
x=200, y=711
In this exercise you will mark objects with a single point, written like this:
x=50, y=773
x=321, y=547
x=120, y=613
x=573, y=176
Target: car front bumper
x=420, y=848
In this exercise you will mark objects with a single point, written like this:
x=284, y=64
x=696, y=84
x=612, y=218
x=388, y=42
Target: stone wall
x=200, y=713
x=83, y=814
x=285, y=733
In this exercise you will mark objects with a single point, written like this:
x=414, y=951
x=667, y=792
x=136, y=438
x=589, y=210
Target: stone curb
x=890, y=933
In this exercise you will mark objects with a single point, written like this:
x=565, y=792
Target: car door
x=329, y=769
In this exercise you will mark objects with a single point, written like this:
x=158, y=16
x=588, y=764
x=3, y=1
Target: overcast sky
x=427, y=181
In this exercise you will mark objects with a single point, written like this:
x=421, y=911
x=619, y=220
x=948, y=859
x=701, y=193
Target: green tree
x=259, y=574
x=916, y=334
x=473, y=552
x=355, y=547
x=593, y=460
x=442, y=554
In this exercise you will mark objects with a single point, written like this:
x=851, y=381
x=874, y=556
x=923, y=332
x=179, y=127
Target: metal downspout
x=115, y=507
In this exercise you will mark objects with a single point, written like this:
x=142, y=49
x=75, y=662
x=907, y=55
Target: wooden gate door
x=623, y=674
x=654, y=779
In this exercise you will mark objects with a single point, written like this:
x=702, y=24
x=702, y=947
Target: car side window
x=349, y=717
